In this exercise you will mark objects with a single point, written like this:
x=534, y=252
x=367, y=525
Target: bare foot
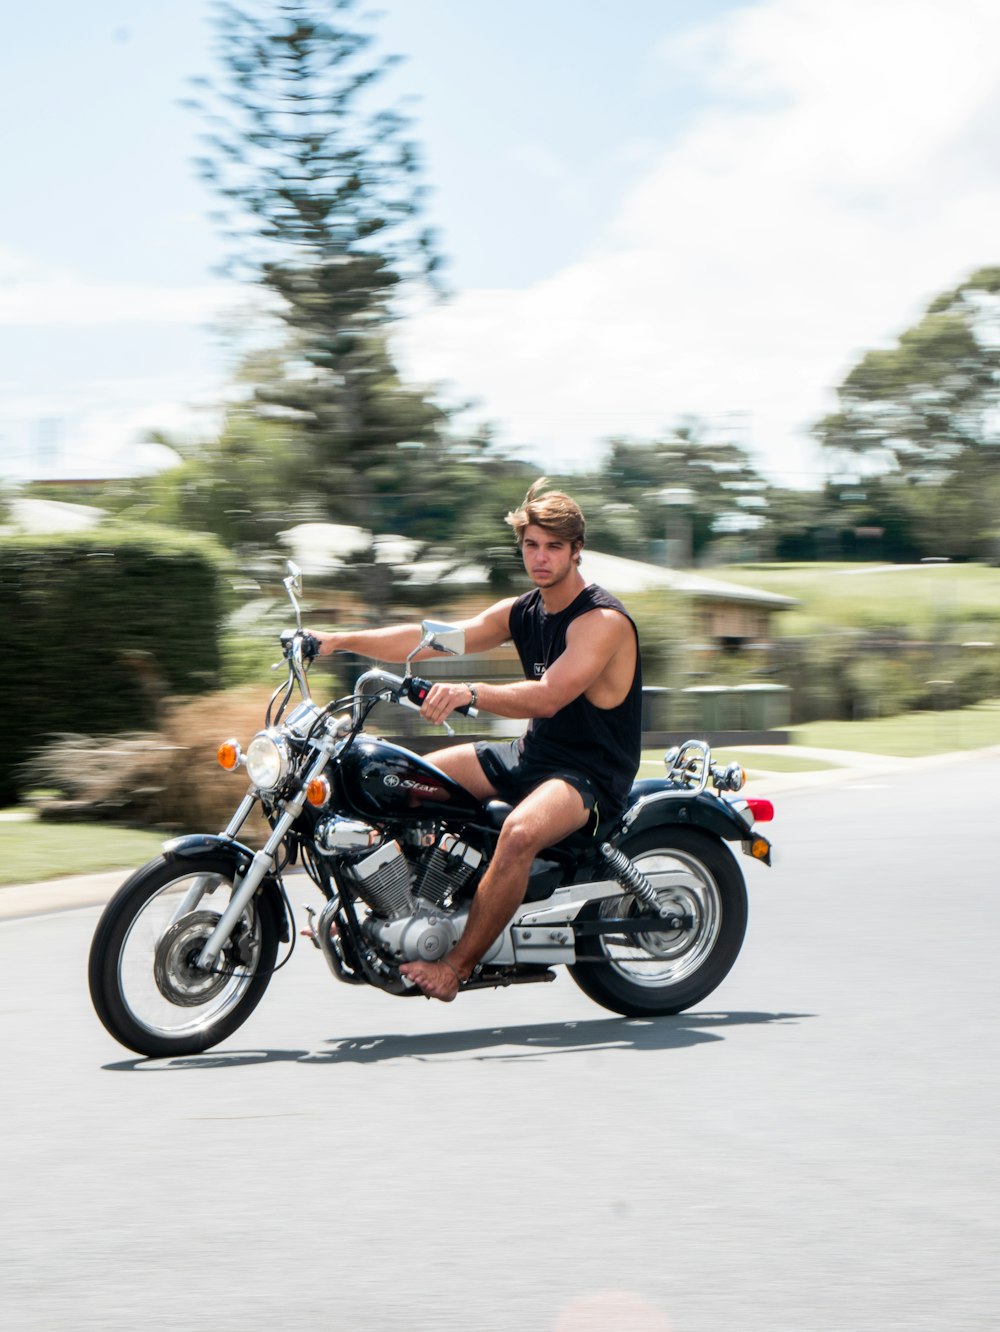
x=438, y=980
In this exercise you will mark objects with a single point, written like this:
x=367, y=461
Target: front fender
x=654, y=804
x=192, y=845
x=199, y=844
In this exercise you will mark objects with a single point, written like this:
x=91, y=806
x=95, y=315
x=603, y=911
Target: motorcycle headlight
x=268, y=760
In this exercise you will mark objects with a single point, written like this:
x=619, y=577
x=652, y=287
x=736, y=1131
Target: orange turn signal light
x=228, y=755
x=760, y=849
x=318, y=791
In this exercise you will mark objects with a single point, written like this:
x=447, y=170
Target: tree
x=321, y=204
x=628, y=510
x=927, y=413
x=869, y=520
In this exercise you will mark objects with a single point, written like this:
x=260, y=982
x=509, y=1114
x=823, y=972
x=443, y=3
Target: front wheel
x=145, y=983
x=666, y=971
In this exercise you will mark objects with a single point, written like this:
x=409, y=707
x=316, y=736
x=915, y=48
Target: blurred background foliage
x=320, y=195
x=100, y=628
x=913, y=469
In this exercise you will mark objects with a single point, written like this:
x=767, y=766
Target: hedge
x=96, y=627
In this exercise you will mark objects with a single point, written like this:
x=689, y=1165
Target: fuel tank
x=380, y=778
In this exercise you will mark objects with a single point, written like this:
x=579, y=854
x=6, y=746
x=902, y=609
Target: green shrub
x=97, y=627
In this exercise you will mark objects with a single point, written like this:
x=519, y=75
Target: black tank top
x=602, y=743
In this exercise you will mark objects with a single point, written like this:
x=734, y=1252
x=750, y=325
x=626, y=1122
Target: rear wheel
x=665, y=971
x=145, y=983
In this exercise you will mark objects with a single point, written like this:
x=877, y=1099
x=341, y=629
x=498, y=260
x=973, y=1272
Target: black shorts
x=513, y=778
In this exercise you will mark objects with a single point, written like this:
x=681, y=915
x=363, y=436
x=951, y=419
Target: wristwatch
x=473, y=701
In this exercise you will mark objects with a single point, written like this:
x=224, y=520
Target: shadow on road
x=529, y=1041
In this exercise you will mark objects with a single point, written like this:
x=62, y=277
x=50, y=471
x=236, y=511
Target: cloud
x=57, y=421
x=34, y=295
x=98, y=427
x=842, y=171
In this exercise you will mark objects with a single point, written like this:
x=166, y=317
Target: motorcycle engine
x=430, y=933
x=411, y=917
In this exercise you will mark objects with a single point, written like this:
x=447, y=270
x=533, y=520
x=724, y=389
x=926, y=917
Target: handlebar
x=407, y=691
x=309, y=643
x=416, y=690
x=299, y=649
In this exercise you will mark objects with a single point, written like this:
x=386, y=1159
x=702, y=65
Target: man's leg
x=461, y=764
x=551, y=812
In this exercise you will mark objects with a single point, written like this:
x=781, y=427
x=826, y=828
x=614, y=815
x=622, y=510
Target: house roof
x=322, y=548
x=40, y=516
x=622, y=576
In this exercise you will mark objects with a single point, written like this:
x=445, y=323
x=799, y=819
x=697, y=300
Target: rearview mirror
x=293, y=586
x=294, y=580
x=441, y=637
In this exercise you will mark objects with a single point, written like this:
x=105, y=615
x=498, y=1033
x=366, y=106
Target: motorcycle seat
x=497, y=811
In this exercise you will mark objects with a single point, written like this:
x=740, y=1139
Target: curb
x=49, y=895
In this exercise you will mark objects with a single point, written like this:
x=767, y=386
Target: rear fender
x=657, y=805
x=193, y=845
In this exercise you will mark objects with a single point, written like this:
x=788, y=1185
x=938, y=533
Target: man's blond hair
x=553, y=511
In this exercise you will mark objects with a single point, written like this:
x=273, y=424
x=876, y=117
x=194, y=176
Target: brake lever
x=410, y=685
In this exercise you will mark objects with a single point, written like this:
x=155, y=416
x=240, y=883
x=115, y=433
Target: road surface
x=814, y=1149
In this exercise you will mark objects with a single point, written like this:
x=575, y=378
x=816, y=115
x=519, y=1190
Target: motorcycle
x=648, y=915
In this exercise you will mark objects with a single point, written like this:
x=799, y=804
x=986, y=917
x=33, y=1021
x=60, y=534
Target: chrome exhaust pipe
x=326, y=937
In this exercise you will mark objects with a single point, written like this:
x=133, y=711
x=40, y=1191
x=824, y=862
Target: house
x=723, y=615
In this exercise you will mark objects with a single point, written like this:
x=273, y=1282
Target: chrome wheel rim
x=686, y=886
x=158, y=982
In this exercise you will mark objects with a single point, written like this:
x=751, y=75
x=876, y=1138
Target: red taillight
x=762, y=810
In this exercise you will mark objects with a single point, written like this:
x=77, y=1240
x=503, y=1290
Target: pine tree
x=321, y=203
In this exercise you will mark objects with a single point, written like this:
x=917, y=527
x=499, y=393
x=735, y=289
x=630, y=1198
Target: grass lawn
x=774, y=760
x=30, y=850
x=910, y=735
x=915, y=598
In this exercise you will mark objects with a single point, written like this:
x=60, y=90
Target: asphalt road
x=814, y=1148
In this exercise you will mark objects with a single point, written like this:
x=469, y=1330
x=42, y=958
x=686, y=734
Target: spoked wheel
x=145, y=981
x=667, y=970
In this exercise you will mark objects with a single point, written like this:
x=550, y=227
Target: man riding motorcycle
x=582, y=697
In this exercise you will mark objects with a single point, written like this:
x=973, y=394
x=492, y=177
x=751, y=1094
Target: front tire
x=667, y=971
x=144, y=983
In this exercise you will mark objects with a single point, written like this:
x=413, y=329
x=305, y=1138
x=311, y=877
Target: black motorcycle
x=648, y=914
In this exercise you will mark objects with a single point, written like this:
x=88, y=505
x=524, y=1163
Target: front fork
x=261, y=865
x=201, y=885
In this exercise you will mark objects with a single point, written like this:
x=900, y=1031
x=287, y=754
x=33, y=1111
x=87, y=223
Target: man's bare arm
x=484, y=631
x=592, y=641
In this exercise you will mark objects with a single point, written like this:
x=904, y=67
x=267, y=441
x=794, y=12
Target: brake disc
x=178, y=977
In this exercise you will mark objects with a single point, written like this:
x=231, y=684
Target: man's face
x=548, y=559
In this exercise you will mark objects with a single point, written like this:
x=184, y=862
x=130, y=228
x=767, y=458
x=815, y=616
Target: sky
x=650, y=210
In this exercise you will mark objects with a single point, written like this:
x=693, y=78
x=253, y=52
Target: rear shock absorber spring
x=631, y=877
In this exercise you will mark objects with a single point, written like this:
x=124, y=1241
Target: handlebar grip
x=416, y=691
x=310, y=644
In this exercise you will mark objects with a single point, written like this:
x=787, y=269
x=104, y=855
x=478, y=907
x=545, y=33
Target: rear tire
x=144, y=984
x=667, y=971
